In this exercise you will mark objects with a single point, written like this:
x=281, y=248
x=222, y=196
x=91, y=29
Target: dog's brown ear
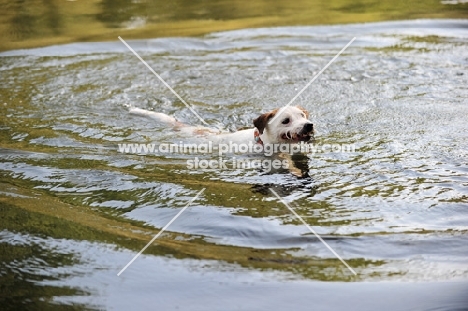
x=305, y=111
x=261, y=122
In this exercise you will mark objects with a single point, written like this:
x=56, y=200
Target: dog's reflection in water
x=295, y=177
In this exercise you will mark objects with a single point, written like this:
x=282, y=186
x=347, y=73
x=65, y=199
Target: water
x=75, y=210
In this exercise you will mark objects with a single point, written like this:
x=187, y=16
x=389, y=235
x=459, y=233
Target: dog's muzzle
x=304, y=134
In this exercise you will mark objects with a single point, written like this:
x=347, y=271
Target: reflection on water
x=32, y=23
x=28, y=261
x=28, y=20
x=75, y=210
x=116, y=13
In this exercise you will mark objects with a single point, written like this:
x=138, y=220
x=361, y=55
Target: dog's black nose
x=308, y=127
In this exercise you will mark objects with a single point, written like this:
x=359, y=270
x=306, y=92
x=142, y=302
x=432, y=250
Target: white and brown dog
x=288, y=125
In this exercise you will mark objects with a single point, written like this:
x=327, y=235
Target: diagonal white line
x=164, y=82
x=312, y=230
x=160, y=232
x=311, y=81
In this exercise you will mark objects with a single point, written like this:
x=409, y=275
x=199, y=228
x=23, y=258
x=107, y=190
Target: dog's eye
x=285, y=121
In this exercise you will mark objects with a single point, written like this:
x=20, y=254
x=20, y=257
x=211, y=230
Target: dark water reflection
x=75, y=210
x=32, y=23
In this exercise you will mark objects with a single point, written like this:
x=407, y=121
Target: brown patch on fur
x=305, y=111
x=204, y=131
x=261, y=122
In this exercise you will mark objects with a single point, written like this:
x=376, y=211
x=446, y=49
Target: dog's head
x=289, y=126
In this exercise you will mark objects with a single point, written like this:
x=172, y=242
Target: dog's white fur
x=289, y=127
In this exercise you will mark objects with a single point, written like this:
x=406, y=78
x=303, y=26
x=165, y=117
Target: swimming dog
x=289, y=125
x=286, y=127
